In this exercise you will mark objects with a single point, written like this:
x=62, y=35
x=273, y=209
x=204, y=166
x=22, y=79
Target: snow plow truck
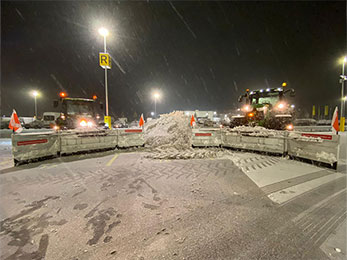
x=268, y=107
x=76, y=112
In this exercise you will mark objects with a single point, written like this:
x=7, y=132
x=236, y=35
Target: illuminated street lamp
x=35, y=94
x=104, y=33
x=156, y=96
x=343, y=79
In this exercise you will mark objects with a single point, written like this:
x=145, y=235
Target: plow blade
x=75, y=142
x=29, y=146
x=269, y=144
x=206, y=137
x=316, y=147
x=130, y=138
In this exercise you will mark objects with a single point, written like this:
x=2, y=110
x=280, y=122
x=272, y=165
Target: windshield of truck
x=48, y=118
x=270, y=98
x=79, y=107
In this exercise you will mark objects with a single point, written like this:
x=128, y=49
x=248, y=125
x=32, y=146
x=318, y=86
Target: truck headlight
x=246, y=108
x=83, y=123
x=281, y=106
x=90, y=124
x=290, y=127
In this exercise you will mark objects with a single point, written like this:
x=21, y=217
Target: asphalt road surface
x=120, y=205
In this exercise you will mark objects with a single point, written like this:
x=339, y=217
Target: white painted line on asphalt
x=112, y=160
x=315, y=206
x=283, y=170
x=294, y=191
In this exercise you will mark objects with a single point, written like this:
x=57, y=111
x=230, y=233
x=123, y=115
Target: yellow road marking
x=6, y=162
x=111, y=161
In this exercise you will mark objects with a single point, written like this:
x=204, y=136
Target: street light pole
x=35, y=94
x=155, y=107
x=156, y=95
x=35, y=107
x=105, y=63
x=106, y=92
x=342, y=112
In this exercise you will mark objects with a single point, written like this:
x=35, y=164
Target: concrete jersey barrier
x=130, y=137
x=28, y=146
x=245, y=141
x=206, y=137
x=317, y=147
x=73, y=142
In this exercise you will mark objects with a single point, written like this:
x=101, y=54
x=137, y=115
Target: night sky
x=200, y=55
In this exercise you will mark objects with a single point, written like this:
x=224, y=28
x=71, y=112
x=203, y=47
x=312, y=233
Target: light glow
x=103, y=31
x=83, y=123
x=246, y=108
x=280, y=106
x=62, y=94
x=156, y=95
x=290, y=127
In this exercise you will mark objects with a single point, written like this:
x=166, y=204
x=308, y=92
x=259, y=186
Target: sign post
x=105, y=62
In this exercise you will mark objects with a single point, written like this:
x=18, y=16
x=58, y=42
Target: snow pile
x=256, y=131
x=330, y=157
x=169, y=131
x=170, y=137
x=300, y=137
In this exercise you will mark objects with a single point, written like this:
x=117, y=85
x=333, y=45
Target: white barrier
x=73, y=142
x=130, y=137
x=316, y=147
x=206, y=137
x=270, y=144
x=27, y=146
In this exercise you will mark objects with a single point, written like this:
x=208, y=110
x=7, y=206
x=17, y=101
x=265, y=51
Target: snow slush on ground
x=170, y=137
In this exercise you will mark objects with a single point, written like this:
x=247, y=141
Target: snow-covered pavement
x=123, y=205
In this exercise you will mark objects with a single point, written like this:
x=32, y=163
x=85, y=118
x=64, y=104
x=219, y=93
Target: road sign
x=104, y=60
x=107, y=121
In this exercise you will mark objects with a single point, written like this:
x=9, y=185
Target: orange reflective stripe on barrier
x=325, y=137
x=133, y=131
x=203, y=134
x=39, y=141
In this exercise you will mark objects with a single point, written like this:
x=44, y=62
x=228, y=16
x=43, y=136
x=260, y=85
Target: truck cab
x=77, y=113
x=267, y=107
